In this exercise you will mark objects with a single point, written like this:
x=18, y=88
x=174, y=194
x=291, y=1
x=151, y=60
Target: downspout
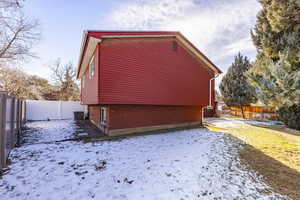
x=210, y=90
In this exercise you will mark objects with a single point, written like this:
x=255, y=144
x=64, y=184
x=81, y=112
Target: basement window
x=103, y=116
x=92, y=67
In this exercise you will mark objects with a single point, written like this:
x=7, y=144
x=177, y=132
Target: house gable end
x=92, y=38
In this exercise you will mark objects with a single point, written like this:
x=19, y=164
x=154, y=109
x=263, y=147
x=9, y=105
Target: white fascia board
x=90, y=48
x=136, y=36
x=81, y=51
x=132, y=31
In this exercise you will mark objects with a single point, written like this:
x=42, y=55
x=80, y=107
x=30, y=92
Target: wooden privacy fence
x=251, y=112
x=12, y=119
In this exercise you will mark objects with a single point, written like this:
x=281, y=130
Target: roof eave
x=136, y=36
x=131, y=31
x=85, y=49
x=83, y=43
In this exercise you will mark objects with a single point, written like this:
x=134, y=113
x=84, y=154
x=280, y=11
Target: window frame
x=103, y=115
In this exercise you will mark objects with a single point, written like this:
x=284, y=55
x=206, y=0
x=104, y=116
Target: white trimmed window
x=103, y=115
x=92, y=67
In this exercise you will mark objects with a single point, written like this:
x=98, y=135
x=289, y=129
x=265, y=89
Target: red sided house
x=141, y=81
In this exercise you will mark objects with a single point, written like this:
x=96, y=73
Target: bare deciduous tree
x=18, y=33
x=64, y=77
x=9, y=3
x=17, y=83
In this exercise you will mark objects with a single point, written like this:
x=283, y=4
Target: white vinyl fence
x=48, y=110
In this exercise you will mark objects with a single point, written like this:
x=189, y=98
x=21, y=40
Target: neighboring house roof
x=92, y=37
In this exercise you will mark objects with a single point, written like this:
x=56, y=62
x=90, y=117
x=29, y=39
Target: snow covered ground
x=224, y=123
x=228, y=123
x=191, y=164
x=49, y=131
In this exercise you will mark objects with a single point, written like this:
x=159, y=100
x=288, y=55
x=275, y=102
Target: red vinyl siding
x=100, y=34
x=90, y=92
x=132, y=116
x=151, y=72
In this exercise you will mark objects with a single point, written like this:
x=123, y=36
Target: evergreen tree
x=276, y=71
x=235, y=89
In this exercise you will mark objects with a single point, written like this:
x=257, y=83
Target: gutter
x=210, y=89
x=132, y=31
x=136, y=36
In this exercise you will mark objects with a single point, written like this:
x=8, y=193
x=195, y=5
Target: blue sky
x=219, y=28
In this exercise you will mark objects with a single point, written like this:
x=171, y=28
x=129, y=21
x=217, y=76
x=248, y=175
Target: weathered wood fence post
x=12, y=117
x=2, y=129
x=18, y=120
x=12, y=136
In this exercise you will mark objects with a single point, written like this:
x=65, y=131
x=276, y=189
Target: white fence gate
x=45, y=110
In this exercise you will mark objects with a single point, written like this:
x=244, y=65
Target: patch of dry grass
x=280, y=177
x=273, y=152
x=279, y=145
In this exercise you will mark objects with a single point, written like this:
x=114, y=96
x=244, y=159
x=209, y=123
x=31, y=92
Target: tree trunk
x=242, y=112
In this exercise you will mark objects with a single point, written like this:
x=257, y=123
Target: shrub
x=290, y=115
